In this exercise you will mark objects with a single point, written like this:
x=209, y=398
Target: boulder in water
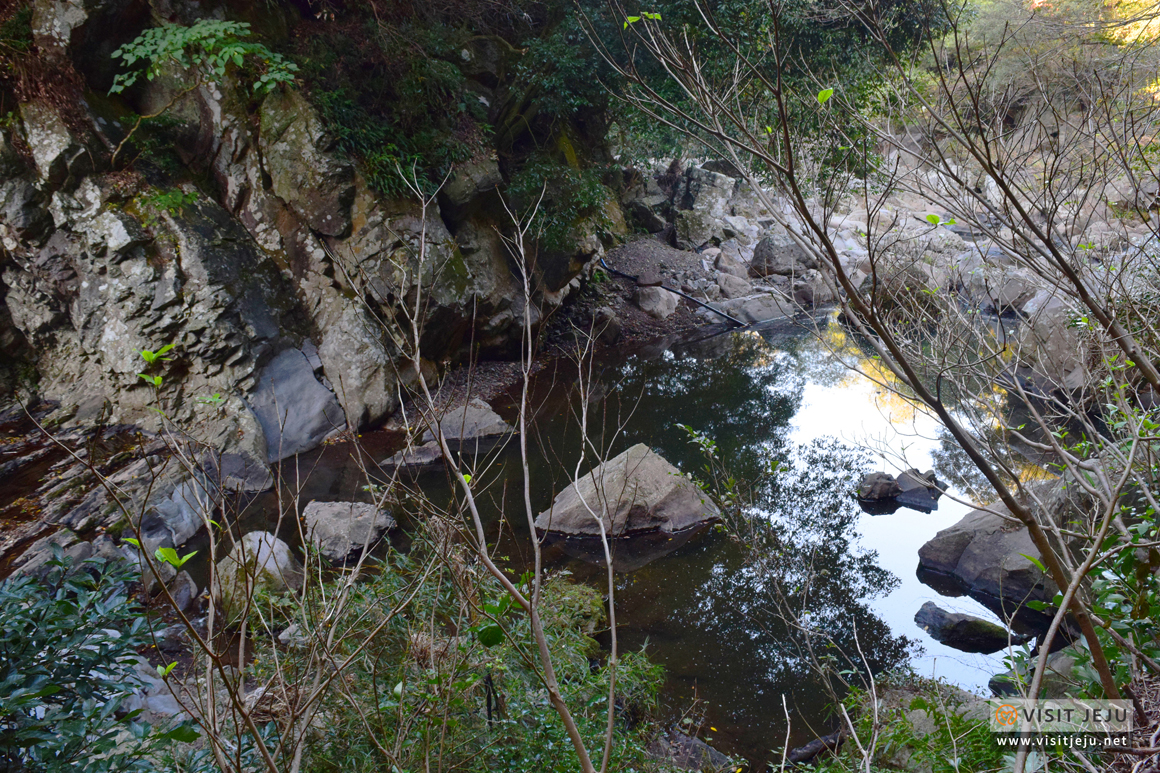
x=880, y=493
x=341, y=529
x=966, y=633
x=634, y=493
x=472, y=427
x=878, y=485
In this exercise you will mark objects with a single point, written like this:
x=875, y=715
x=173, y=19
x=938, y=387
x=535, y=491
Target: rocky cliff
x=237, y=230
x=266, y=239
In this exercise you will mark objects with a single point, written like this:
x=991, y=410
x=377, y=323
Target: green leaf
x=933, y=219
x=169, y=556
x=398, y=690
x=466, y=477
x=134, y=542
x=1035, y=561
x=490, y=636
x=1038, y=606
x=824, y=96
x=164, y=671
x=182, y=734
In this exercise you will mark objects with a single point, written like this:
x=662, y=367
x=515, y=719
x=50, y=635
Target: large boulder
x=707, y=191
x=1048, y=346
x=657, y=302
x=966, y=633
x=634, y=493
x=343, y=529
x=258, y=561
x=733, y=287
x=751, y=309
x=991, y=559
x=296, y=412
x=780, y=255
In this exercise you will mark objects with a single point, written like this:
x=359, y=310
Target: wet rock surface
x=987, y=556
x=880, y=493
x=469, y=428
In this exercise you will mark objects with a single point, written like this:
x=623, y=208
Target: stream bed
x=710, y=607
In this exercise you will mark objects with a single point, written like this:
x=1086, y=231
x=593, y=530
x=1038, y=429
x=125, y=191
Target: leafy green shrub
x=451, y=682
x=569, y=196
x=16, y=31
x=395, y=107
x=208, y=44
x=67, y=666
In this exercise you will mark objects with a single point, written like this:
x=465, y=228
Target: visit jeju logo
x=1006, y=715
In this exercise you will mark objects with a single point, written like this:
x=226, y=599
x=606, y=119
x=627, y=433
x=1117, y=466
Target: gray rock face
x=656, y=301
x=174, y=519
x=1048, y=346
x=184, y=591
x=304, y=171
x=296, y=411
x=635, y=492
x=966, y=633
x=343, y=529
x=471, y=428
x=473, y=185
x=780, y=255
x=695, y=228
x=708, y=192
x=983, y=556
x=257, y=560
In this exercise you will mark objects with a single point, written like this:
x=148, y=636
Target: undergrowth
x=453, y=682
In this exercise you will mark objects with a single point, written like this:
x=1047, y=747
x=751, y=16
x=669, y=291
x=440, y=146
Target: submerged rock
x=634, y=493
x=803, y=754
x=425, y=456
x=343, y=529
x=628, y=555
x=780, y=255
x=966, y=633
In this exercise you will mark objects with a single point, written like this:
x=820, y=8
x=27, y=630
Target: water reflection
x=714, y=610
